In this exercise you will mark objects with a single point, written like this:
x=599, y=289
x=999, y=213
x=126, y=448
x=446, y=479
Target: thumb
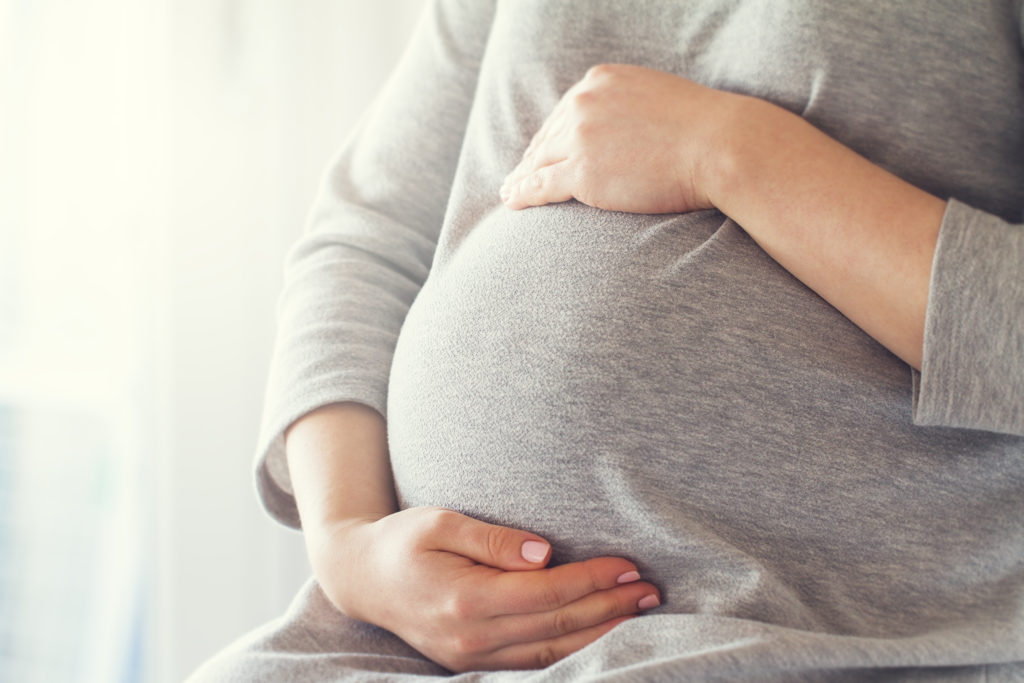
x=495, y=546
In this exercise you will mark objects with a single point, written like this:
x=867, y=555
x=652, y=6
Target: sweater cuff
x=972, y=371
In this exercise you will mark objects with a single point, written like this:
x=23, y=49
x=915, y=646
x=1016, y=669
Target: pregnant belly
x=543, y=347
x=658, y=388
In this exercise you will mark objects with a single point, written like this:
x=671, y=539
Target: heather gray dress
x=657, y=387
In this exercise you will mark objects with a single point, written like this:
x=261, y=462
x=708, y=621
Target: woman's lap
x=312, y=641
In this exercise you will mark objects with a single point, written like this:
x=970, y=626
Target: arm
x=860, y=237
x=338, y=460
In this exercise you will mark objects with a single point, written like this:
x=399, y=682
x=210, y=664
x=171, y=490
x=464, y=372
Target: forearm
x=339, y=467
x=860, y=237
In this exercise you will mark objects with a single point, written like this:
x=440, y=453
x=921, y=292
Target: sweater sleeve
x=972, y=373
x=972, y=370
x=370, y=238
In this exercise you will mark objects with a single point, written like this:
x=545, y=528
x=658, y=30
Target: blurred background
x=157, y=159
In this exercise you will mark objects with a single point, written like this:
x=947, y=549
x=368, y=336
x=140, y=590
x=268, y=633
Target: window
x=158, y=158
x=75, y=335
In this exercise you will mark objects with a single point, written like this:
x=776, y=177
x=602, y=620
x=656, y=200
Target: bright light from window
x=78, y=266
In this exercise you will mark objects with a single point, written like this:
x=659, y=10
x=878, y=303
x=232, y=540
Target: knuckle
x=585, y=132
x=619, y=605
x=592, y=576
x=532, y=184
x=599, y=71
x=563, y=622
x=546, y=656
x=623, y=603
x=582, y=99
x=551, y=596
x=464, y=646
x=437, y=520
x=457, y=608
x=497, y=541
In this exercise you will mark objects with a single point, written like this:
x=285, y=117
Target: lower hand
x=471, y=595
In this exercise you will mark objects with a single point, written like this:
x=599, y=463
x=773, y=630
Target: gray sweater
x=657, y=387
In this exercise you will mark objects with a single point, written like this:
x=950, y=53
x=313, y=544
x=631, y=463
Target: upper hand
x=624, y=138
x=470, y=595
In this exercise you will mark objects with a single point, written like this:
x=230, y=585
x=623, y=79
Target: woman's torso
x=656, y=387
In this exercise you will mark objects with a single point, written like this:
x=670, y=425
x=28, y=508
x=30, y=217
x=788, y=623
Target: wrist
x=323, y=536
x=337, y=553
x=746, y=130
x=327, y=540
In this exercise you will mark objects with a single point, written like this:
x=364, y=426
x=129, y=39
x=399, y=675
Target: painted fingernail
x=628, y=577
x=534, y=551
x=648, y=602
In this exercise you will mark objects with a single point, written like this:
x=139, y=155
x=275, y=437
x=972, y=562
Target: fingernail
x=648, y=602
x=628, y=577
x=534, y=551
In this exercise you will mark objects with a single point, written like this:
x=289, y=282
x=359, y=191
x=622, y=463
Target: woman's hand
x=471, y=595
x=625, y=138
x=467, y=594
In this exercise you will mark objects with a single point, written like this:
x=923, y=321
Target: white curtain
x=157, y=158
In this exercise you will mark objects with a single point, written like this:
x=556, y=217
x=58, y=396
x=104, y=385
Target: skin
x=469, y=595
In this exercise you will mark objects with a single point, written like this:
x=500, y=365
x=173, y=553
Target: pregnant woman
x=662, y=340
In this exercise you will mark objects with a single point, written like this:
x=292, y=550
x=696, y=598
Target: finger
x=527, y=167
x=590, y=610
x=544, y=653
x=551, y=589
x=550, y=152
x=553, y=149
x=489, y=544
x=546, y=185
